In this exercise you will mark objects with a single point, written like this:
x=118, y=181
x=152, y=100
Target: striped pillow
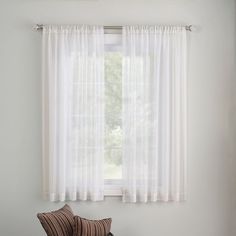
x=58, y=223
x=84, y=227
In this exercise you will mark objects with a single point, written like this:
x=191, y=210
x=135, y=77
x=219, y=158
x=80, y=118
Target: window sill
x=113, y=188
x=112, y=193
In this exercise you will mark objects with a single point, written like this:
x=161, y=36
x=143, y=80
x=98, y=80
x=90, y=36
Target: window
x=113, y=114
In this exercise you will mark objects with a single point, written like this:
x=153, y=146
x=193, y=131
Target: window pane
x=113, y=93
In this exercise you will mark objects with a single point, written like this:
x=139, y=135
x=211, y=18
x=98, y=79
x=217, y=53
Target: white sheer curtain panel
x=154, y=113
x=73, y=112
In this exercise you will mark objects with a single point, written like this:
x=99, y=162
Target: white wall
x=211, y=204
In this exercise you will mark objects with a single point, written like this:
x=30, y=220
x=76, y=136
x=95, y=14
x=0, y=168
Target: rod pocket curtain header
x=83, y=29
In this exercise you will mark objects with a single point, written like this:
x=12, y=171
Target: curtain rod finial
x=189, y=27
x=37, y=27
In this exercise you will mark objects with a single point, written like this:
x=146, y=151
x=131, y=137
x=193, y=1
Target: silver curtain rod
x=115, y=27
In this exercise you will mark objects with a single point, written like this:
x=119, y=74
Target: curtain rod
x=108, y=27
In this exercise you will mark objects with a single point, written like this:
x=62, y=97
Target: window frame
x=112, y=43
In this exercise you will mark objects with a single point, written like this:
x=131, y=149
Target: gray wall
x=211, y=204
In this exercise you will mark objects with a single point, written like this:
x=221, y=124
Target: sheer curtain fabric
x=154, y=113
x=73, y=112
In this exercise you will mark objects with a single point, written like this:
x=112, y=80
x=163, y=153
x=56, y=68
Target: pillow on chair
x=85, y=227
x=58, y=222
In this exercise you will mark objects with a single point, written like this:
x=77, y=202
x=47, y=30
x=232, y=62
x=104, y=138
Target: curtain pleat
x=154, y=113
x=73, y=112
